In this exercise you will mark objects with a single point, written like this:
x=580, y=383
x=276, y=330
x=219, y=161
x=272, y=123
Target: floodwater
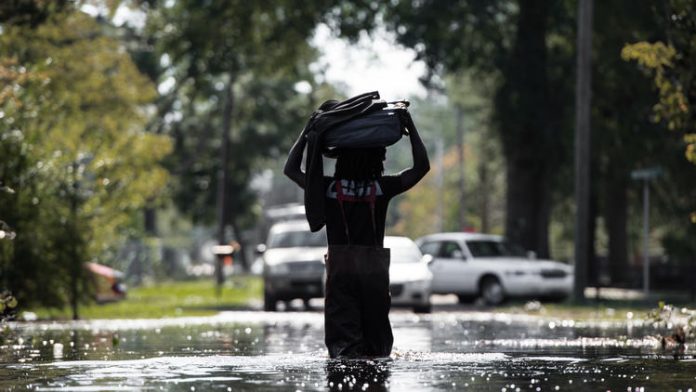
x=444, y=351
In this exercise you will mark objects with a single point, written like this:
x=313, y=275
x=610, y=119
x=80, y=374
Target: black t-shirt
x=357, y=210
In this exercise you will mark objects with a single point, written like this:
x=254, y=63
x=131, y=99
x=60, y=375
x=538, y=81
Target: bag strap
x=340, y=197
x=372, y=199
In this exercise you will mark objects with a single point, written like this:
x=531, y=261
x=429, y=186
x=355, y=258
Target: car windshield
x=493, y=248
x=297, y=239
x=404, y=253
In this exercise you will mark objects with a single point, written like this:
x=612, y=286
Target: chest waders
x=357, y=300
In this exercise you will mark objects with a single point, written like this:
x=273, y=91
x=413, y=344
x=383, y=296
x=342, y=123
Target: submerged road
x=251, y=350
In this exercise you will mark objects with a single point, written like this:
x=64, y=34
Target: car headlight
x=418, y=285
x=278, y=269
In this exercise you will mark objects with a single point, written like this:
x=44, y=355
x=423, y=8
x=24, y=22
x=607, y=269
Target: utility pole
x=75, y=263
x=583, y=98
x=460, y=167
x=646, y=238
x=440, y=183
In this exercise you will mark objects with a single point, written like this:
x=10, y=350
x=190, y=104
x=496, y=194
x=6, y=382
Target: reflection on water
x=357, y=375
x=285, y=351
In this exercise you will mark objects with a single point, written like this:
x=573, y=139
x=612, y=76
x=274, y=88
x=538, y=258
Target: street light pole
x=646, y=175
x=646, y=238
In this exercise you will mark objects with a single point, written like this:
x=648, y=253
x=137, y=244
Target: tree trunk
x=616, y=216
x=583, y=96
x=462, y=226
x=521, y=106
x=150, y=220
x=223, y=176
x=528, y=208
x=484, y=188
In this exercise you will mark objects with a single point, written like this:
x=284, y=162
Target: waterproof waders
x=357, y=300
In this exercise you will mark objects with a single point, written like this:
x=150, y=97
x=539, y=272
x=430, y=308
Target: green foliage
x=436, y=117
x=231, y=65
x=8, y=303
x=8, y=307
x=29, y=12
x=172, y=299
x=418, y=209
x=667, y=317
x=509, y=42
x=672, y=106
x=528, y=50
x=671, y=63
x=74, y=151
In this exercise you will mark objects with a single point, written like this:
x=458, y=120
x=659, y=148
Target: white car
x=293, y=263
x=482, y=265
x=409, y=276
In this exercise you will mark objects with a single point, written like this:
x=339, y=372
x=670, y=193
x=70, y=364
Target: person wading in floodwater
x=357, y=300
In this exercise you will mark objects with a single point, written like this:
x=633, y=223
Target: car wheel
x=306, y=304
x=423, y=309
x=269, y=302
x=492, y=291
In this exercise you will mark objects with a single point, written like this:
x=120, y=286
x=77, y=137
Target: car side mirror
x=428, y=259
x=458, y=254
x=531, y=255
x=260, y=249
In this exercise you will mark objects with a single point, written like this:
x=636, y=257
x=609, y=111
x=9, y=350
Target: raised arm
x=421, y=164
x=293, y=166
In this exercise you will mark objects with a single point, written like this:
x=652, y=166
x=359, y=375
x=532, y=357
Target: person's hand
x=405, y=120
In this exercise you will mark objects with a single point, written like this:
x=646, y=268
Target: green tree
x=511, y=41
x=79, y=161
x=623, y=139
x=459, y=120
x=240, y=89
x=670, y=58
x=672, y=65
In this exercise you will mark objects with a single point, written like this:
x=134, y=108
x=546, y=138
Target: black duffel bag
x=380, y=128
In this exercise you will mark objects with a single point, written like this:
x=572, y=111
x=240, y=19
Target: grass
x=171, y=299
x=608, y=310
x=197, y=298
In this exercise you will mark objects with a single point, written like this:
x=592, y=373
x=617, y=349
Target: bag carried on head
x=361, y=121
x=380, y=128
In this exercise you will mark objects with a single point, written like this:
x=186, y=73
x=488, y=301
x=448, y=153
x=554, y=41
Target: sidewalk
x=636, y=295
x=608, y=294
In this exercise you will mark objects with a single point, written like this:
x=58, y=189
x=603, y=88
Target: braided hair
x=361, y=164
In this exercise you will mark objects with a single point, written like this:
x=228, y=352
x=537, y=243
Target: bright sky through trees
x=374, y=63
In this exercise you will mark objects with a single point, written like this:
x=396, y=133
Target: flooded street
x=261, y=351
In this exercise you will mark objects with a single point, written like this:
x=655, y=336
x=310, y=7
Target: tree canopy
x=76, y=155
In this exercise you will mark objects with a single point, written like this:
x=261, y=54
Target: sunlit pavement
x=449, y=303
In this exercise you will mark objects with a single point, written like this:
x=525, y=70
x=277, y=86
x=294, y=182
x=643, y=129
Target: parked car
x=107, y=283
x=410, y=278
x=292, y=263
x=482, y=265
